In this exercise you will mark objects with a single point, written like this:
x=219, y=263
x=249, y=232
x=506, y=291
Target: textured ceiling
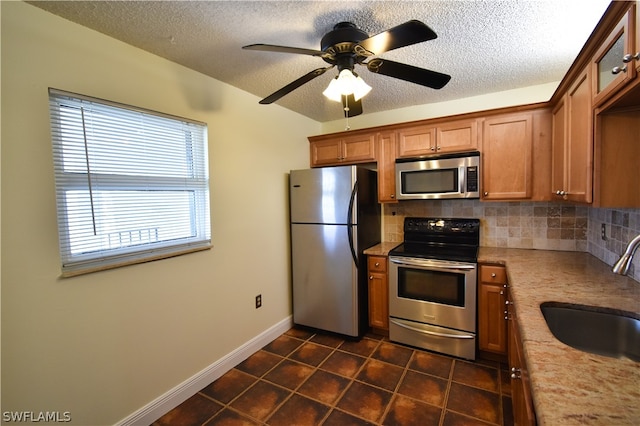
x=486, y=46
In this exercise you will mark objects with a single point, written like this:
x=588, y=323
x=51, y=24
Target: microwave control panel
x=472, y=179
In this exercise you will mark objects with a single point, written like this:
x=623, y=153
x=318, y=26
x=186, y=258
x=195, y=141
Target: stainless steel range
x=432, y=285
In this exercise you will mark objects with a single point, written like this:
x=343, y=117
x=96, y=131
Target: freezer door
x=321, y=195
x=325, y=279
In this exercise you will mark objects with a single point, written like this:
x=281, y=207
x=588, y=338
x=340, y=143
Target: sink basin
x=600, y=331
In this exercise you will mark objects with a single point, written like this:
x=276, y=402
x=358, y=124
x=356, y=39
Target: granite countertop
x=569, y=387
x=381, y=249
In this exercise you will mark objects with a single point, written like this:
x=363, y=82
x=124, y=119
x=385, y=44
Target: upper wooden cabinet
x=386, y=155
x=614, y=64
x=354, y=149
x=516, y=156
x=507, y=145
x=572, y=143
x=617, y=157
x=454, y=136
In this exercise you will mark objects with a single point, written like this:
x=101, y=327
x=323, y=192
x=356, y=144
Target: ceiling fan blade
x=420, y=76
x=411, y=32
x=286, y=49
x=351, y=106
x=294, y=85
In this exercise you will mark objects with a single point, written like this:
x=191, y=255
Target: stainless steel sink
x=600, y=331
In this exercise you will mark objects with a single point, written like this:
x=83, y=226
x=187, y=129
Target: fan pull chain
x=346, y=111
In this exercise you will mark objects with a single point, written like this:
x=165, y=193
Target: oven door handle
x=432, y=264
x=433, y=333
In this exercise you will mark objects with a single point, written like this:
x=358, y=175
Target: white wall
x=103, y=345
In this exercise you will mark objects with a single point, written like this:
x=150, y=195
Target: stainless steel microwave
x=443, y=176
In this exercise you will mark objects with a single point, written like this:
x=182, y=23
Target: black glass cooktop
x=440, y=238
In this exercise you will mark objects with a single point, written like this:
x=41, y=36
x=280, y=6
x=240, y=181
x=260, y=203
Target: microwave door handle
x=438, y=265
x=433, y=333
x=463, y=179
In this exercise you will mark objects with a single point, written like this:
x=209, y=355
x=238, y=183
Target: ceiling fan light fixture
x=346, y=83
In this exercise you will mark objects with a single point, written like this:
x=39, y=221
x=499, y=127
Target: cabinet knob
x=501, y=292
x=618, y=70
x=433, y=148
x=437, y=148
x=485, y=193
x=560, y=192
x=629, y=57
x=393, y=195
x=377, y=264
x=370, y=277
x=493, y=275
x=506, y=302
x=515, y=373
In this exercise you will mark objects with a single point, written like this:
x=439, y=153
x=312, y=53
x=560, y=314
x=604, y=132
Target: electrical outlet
x=258, y=301
x=603, y=231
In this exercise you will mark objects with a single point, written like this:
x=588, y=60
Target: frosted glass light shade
x=346, y=83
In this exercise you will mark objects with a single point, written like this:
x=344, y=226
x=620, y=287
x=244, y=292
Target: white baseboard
x=176, y=396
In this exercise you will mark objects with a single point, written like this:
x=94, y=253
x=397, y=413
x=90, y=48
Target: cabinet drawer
x=493, y=274
x=377, y=264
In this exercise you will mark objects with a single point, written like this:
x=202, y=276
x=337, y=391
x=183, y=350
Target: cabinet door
x=387, y=168
x=358, y=149
x=507, y=145
x=558, y=144
x=416, y=141
x=579, y=141
x=457, y=136
x=492, y=326
x=636, y=47
x=326, y=152
x=609, y=72
x=523, y=411
x=378, y=293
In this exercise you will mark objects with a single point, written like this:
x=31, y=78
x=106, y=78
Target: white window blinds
x=131, y=185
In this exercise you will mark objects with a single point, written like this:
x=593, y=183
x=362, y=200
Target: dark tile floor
x=303, y=378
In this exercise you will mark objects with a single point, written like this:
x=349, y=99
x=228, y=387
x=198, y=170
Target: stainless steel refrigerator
x=334, y=217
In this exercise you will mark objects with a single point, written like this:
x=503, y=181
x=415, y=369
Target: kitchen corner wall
x=542, y=226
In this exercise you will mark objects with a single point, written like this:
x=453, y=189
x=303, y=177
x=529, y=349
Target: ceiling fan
x=347, y=46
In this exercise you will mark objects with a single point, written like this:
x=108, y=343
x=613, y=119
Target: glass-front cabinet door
x=609, y=71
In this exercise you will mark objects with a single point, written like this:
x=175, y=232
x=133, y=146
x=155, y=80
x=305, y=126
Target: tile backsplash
x=539, y=225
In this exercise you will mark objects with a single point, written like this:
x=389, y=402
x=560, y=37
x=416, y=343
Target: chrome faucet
x=622, y=265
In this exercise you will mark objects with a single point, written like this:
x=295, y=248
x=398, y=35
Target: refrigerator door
x=321, y=195
x=325, y=289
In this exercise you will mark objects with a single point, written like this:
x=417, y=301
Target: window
x=131, y=185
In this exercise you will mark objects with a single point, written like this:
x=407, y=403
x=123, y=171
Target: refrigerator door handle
x=350, y=223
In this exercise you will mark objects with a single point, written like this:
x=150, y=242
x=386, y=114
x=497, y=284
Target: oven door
x=436, y=292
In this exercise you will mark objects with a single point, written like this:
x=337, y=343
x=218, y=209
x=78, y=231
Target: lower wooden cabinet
x=523, y=410
x=492, y=323
x=378, y=293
